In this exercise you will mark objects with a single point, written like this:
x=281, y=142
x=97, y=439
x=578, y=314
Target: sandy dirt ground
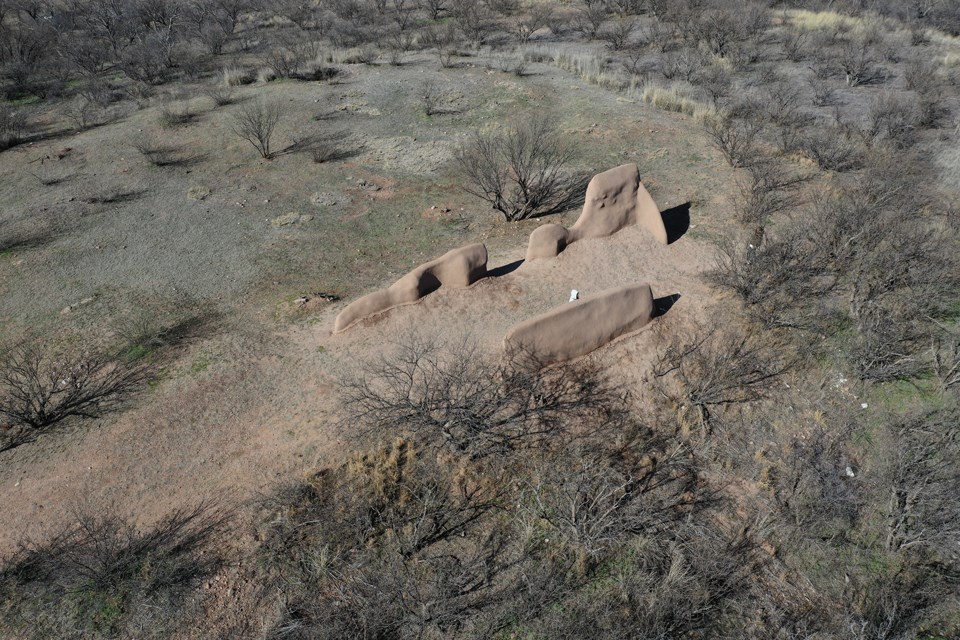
x=254, y=402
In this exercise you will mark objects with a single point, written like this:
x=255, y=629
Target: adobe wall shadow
x=662, y=305
x=677, y=221
x=504, y=269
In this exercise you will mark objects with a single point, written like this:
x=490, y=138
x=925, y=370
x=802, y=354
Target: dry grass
x=830, y=21
x=678, y=98
x=198, y=192
x=236, y=76
x=949, y=163
x=595, y=70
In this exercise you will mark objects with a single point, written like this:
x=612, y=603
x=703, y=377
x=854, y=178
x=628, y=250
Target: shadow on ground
x=677, y=221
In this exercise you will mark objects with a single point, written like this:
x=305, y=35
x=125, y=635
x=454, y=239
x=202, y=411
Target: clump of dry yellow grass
x=595, y=70
x=677, y=98
x=829, y=21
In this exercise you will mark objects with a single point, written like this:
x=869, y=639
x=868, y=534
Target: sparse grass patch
x=236, y=76
x=595, y=70
x=198, y=192
x=175, y=114
x=830, y=21
x=12, y=127
x=201, y=363
x=678, y=98
x=103, y=577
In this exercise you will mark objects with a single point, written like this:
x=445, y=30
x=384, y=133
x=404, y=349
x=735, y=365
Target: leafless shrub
x=945, y=354
x=524, y=26
x=444, y=40
x=823, y=67
x=150, y=59
x=795, y=46
x=705, y=368
x=175, y=114
x=323, y=151
x=779, y=276
x=619, y=32
x=420, y=539
x=920, y=73
x=430, y=97
x=659, y=36
x=898, y=266
x=594, y=501
x=668, y=584
x=40, y=389
x=887, y=346
x=769, y=190
x=921, y=77
x=255, y=122
x=503, y=7
x=734, y=137
x=84, y=113
x=719, y=30
x=683, y=64
x=809, y=471
x=473, y=19
x=892, y=119
x=511, y=62
x=832, y=148
x=628, y=7
x=109, y=577
x=923, y=480
x=454, y=399
x=13, y=126
x=635, y=62
x=715, y=82
x=858, y=63
x=824, y=94
x=521, y=173
x=393, y=543
x=433, y=8
x=589, y=19
x=221, y=93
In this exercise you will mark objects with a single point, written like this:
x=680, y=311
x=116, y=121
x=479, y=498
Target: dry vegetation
x=789, y=466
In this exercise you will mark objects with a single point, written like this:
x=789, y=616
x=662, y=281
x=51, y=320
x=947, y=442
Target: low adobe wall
x=458, y=268
x=577, y=328
x=615, y=199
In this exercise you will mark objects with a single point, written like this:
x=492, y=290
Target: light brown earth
x=254, y=402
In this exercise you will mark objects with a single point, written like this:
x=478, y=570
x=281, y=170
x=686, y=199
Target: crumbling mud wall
x=458, y=268
x=577, y=328
x=615, y=199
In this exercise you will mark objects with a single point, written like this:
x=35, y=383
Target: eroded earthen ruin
x=577, y=328
x=458, y=268
x=615, y=199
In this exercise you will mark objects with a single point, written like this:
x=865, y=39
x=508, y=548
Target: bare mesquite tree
x=423, y=537
x=708, y=367
x=734, y=137
x=111, y=577
x=522, y=172
x=923, y=478
x=255, y=122
x=455, y=398
x=39, y=389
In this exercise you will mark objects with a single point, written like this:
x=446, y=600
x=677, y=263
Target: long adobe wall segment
x=615, y=199
x=457, y=268
x=577, y=328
